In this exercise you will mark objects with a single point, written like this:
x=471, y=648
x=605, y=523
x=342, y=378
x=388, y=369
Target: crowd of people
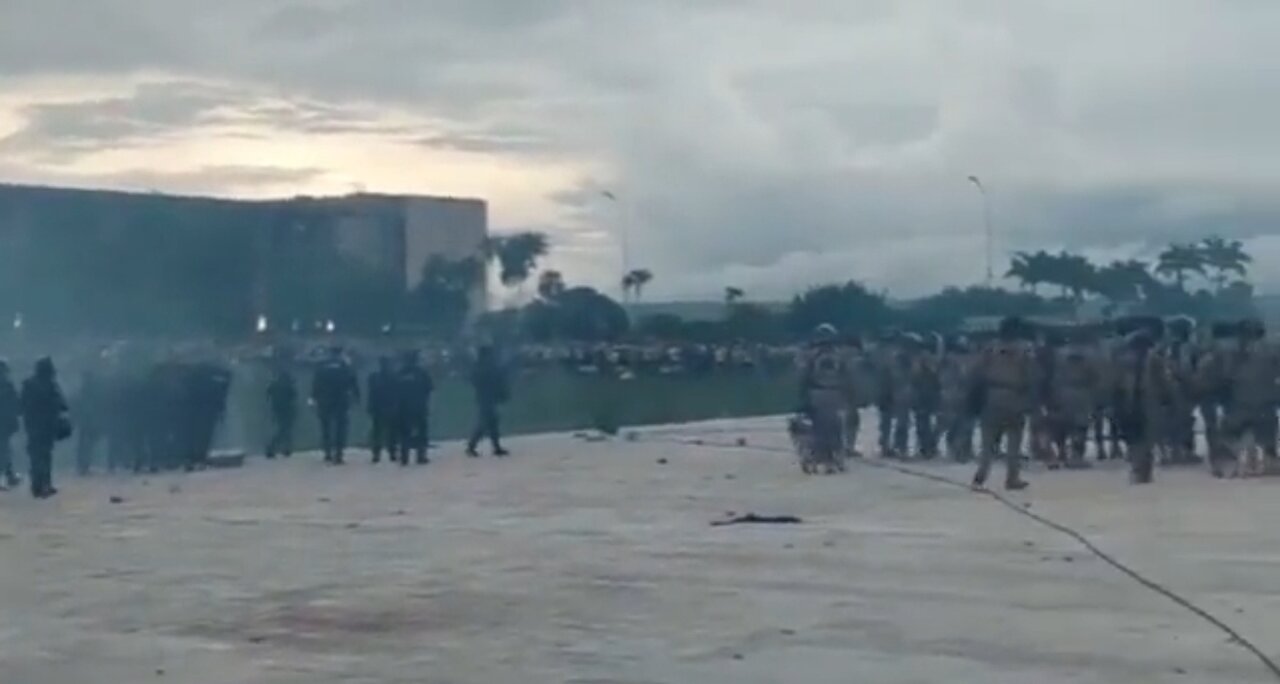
x=1133, y=388
x=138, y=415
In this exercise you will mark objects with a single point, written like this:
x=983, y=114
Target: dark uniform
x=413, y=390
x=44, y=415
x=132, y=431
x=381, y=404
x=164, y=411
x=333, y=389
x=282, y=395
x=10, y=413
x=491, y=391
x=205, y=391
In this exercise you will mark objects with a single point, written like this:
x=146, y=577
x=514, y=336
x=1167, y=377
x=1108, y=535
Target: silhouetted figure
x=205, y=390
x=165, y=418
x=333, y=389
x=90, y=406
x=491, y=390
x=413, y=407
x=44, y=415
x=10, y=414
x=129, y=442
x=381, y=403
x=282, y=395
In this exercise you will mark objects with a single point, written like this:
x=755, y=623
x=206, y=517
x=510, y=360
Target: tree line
x=1205, y=279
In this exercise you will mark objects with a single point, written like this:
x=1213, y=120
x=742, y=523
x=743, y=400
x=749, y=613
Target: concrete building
x=401, y=233
x=90, y=259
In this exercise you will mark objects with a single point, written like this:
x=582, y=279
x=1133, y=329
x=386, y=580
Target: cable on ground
x=1235, y=636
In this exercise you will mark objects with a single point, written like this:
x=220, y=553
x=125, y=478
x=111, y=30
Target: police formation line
x=164, y=416
x=1132, y=388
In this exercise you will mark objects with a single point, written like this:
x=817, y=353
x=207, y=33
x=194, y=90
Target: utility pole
x=986, y=224
x=624, y=238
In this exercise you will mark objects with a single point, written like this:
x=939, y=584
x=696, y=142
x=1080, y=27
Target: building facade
x=129, y=262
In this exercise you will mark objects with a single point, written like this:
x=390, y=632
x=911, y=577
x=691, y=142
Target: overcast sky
x=757, y=143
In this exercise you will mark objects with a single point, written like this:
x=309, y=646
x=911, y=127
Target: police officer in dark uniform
x=166, y=418
x=207, y=387
x=10, y=413
x=491, y=391
x=382, y=406
x=44, y=415
x=333, y=389
x=282, y=395
x=413, y=408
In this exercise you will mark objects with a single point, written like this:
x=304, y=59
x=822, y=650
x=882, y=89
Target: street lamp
x=986, y=222
x=624, y=239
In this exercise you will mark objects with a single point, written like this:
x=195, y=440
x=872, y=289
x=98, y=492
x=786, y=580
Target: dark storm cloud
x=748, y=139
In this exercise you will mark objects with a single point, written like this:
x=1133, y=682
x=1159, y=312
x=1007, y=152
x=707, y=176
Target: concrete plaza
x=594, y=562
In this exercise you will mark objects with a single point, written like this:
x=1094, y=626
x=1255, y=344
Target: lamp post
x=624, y=239
x=986, y=222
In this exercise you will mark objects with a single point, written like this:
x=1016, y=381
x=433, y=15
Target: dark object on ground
x=116, y=500
x=662, y=461
x=226, y=459
x=753, y=519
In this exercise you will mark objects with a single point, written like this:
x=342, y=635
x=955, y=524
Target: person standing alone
x=44, y=415
x=491, y=390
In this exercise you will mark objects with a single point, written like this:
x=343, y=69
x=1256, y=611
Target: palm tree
x=635, y=280
x=1124, y=281
x=1020, y=270
x=550, y=284
x=1224, y=257
x=517, y=255
x=1032, y=269
x=1076, y=274
x=1179, y=260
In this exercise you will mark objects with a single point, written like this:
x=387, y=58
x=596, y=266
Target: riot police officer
x=413, y=388
x=282, y=395
x=44, y=416
x=333, y=389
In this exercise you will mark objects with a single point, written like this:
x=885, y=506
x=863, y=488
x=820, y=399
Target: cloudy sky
x=757, y=143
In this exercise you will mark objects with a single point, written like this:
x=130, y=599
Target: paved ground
x=594, y=562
